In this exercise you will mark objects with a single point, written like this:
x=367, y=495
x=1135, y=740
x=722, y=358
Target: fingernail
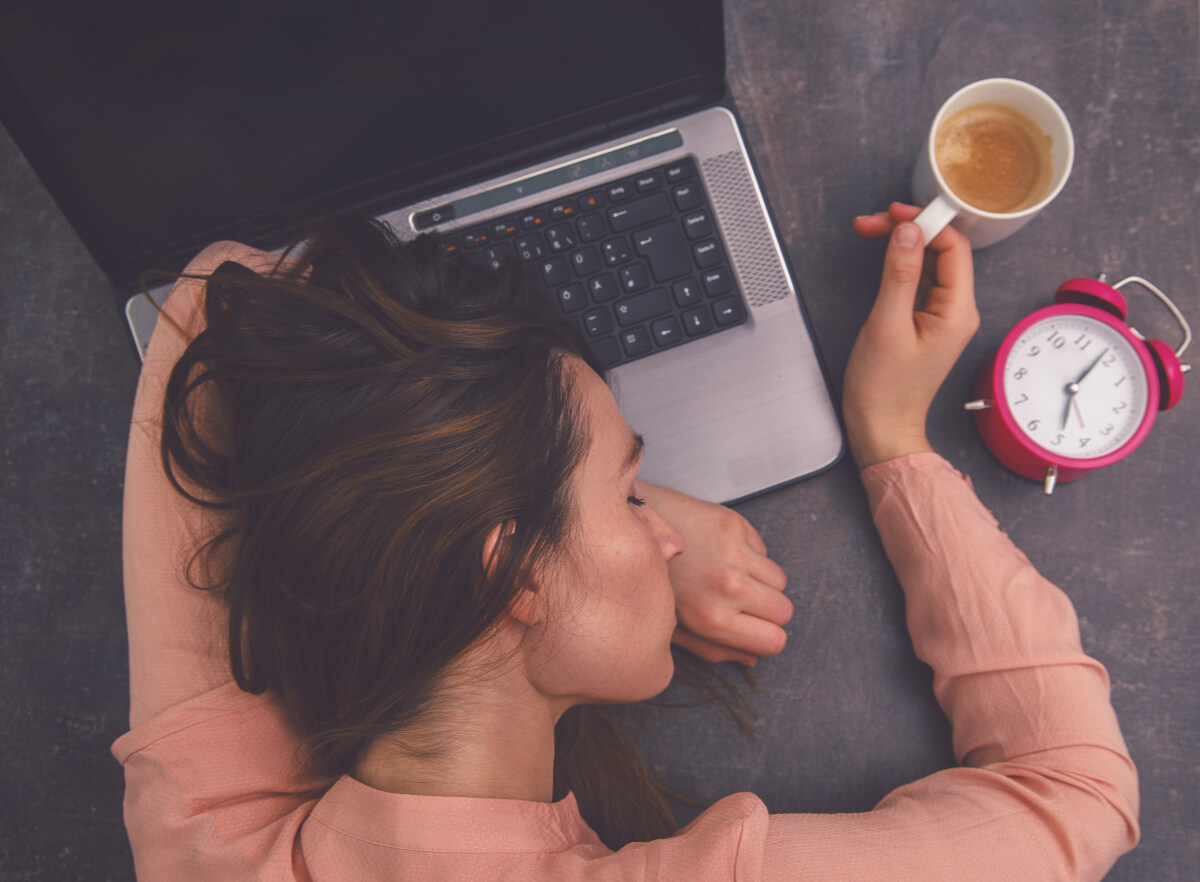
x=908, y=235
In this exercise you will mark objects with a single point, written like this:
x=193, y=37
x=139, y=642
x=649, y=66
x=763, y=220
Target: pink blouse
x=1045, y=789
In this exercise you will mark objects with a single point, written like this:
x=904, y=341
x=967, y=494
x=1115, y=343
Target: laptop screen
x=159, y=131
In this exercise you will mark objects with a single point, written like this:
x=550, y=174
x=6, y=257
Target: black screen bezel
x=277, y=224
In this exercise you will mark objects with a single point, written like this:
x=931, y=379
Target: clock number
x=1057, y=340
x=1120, y=381
x=1112, y=356
x=1058, y=439
x=1107, y=429
x=1020, y=374
x=1120, y=407
x=1021, y=400
x=1083, y=338
x=1035, y=350
x=1083, y=442
x=1033, y=425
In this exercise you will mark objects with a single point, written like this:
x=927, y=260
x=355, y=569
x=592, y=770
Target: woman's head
x=403, y=446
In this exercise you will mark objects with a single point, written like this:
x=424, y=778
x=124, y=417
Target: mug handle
x=934, y=217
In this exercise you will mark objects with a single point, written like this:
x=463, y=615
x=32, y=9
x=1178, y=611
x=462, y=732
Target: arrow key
x=666, y=331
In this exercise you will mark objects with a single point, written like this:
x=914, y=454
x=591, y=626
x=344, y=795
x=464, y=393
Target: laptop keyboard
x=637, y=262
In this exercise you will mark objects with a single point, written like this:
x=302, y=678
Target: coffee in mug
x=994, y=158
x=998, y=152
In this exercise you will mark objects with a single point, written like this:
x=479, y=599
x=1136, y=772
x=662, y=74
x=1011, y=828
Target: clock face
x=1075, y=386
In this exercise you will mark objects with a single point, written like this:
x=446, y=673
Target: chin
x=668, y=673
x=652, y=680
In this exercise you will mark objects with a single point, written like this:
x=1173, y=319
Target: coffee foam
x=994, y=158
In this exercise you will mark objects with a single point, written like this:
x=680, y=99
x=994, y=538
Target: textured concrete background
x=836, y=98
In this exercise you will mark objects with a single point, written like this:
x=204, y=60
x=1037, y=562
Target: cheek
x=647, y=565
x=630, y=586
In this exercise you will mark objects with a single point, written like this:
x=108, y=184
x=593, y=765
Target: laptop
x=595, y=142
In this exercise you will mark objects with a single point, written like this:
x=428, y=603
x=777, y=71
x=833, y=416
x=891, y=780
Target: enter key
x=664, y=246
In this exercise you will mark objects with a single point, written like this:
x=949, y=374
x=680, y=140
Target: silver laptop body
x=725, y=416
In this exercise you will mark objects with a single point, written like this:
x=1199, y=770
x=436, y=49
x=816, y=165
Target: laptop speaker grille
x=744, y=226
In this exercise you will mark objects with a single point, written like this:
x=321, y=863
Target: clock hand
x=1071, y=390
x=1078, y=412
x=1091, y=367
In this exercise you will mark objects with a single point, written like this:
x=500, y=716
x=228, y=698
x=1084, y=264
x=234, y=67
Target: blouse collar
x=452, y=823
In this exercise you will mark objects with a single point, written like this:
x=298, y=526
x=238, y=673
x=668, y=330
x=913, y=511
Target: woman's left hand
x=728, y=594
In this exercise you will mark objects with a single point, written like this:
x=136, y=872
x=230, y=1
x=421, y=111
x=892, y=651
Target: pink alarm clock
x=1073, y=387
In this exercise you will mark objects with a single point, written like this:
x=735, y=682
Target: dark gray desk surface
x=836, y=98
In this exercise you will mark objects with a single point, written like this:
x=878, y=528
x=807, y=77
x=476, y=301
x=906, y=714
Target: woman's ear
x=526, y=607
x=497, y=546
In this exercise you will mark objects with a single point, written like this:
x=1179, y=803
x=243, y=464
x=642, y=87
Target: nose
x=670, y=540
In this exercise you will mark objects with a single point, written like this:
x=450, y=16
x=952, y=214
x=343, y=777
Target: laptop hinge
x=653, y=116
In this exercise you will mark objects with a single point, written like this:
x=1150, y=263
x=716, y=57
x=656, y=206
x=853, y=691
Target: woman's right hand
x=903, y=354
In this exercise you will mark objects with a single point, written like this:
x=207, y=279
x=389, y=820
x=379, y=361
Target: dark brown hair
x=363, y=417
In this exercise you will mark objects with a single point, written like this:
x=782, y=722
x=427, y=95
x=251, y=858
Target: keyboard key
x=640, y=307
x=621, y=191
x=634, y=278
x=604, y=287
x=560, y=238
x=530, y=247
x=706, y=253
x=477, y=237
x=606, y=350
x=636, y=342
x=495, y=256
x=563, y=209
x=616, y=251
x=593, y=200
x=717, y=281
x=648, y=181
x=666, y=331
x=686, y=292
x=642, y=211
x=679, y=171
x=697, y=321
x=423, y=220
x=573, y=297
x=555, y=271
x=586, y=261
x=452, y=245
x=687, y=196
x=502, y=229
x=728, y=311
x=697, y=225
x=591, y=227
x=663, y=245
x=531, y=220
x=597, y=322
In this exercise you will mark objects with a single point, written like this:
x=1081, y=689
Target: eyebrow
x=636, y=443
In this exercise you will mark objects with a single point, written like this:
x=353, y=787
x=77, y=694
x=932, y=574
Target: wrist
x=871, y=445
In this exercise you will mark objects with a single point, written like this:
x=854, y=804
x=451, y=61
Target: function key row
x=684, y=195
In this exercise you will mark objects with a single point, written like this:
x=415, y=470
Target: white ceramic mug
x=985, y=228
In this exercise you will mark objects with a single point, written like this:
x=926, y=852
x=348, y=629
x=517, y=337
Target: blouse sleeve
x=1046, y=788
x=177, y=634
x=214, y=789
